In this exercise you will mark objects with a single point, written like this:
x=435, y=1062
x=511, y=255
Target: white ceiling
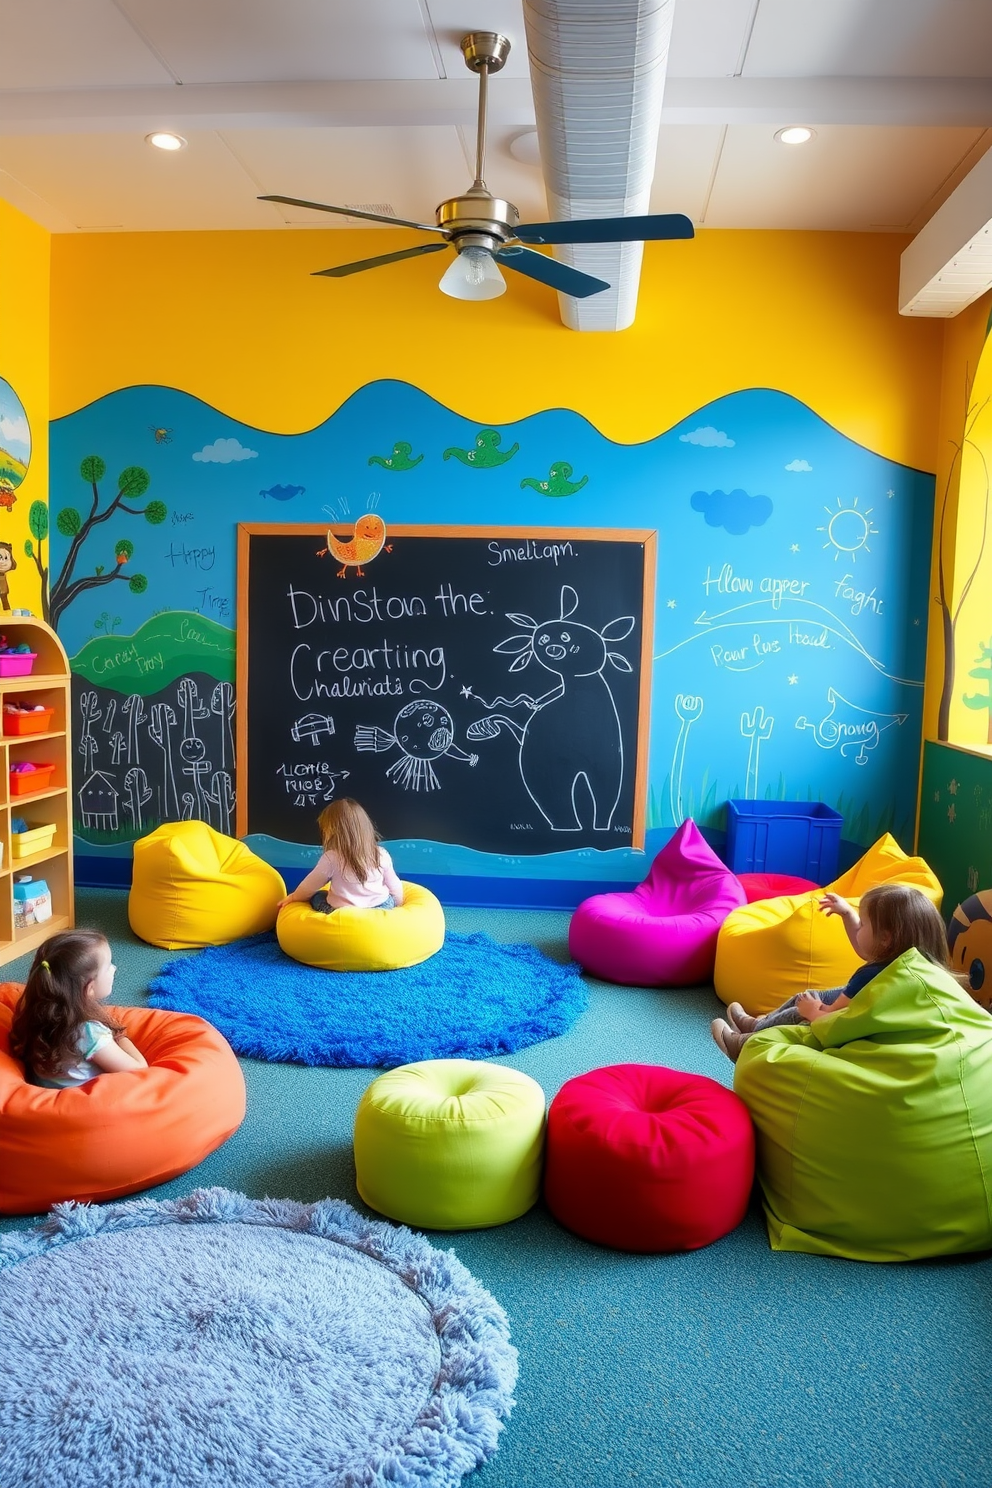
x=370, y=103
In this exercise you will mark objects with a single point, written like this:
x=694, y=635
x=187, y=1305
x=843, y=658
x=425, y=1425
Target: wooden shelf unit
x=50, y=806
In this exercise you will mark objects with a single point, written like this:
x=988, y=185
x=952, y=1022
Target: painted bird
x=367, y=543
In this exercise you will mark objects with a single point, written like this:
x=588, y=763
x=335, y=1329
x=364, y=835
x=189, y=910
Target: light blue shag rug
x=474, y=998
x=221, y=1342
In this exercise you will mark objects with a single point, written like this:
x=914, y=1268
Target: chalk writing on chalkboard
x=485, y=688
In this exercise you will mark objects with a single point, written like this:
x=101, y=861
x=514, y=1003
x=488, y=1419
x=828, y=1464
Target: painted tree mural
x=33, y=547
x=132, y=484
x=977, y=700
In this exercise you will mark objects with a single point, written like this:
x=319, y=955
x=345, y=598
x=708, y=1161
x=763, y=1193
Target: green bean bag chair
x=874, y=1124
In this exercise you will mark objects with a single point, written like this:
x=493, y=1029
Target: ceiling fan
x=485, y=231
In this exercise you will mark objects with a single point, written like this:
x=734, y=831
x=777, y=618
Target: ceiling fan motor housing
x=477, y=220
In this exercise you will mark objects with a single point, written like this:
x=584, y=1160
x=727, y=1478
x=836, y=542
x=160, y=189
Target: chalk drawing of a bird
x=367, y=543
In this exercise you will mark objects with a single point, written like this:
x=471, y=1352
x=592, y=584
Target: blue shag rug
x=217, y=1341
x=474, y=998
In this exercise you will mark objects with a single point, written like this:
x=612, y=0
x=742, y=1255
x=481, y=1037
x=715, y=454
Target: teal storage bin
x=795, y=837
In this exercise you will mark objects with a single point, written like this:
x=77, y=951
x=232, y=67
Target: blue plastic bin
x=796, y=837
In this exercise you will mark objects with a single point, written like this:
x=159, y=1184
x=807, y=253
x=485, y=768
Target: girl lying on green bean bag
x=874, y=1123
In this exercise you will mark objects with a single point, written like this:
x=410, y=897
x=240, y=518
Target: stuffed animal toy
x=969, y=938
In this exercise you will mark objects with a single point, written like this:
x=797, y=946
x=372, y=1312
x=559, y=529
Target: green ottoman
x=874, y=1124
x=450, y=1144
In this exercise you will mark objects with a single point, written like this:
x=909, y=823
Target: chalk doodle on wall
x=856, y=730
x=753, y=586
x=576, y=654
x=756, y=727
x=423, y=732
x=688, y=709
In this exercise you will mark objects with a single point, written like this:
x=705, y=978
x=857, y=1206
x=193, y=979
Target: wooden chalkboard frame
x=647, y=537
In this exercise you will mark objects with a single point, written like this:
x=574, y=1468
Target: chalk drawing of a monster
x=423, y=732
x=573, y=733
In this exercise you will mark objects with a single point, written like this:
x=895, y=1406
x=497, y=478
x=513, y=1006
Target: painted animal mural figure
x=367, y=543
x=573, y=733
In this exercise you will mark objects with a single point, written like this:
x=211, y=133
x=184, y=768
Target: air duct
x=598, y=74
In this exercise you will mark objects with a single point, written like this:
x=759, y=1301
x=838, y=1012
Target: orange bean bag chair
x=119, y=1133
x=768, y=951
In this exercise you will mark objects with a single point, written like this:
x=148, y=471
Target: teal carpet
x=729, y=1368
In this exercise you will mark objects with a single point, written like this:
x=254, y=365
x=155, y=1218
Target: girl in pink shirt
x=353, y=870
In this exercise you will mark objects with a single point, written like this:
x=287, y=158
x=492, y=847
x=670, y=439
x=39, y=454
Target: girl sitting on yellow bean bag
x=365, y=919
x=773, y=949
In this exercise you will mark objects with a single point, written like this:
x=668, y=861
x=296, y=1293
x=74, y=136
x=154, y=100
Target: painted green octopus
x=558, y=482
x=486, y=454
x=398, y=460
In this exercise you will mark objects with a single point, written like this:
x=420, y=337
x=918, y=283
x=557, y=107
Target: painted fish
x=283, y=493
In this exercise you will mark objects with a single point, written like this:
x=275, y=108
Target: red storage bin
x=28, y=782
x=28, y=723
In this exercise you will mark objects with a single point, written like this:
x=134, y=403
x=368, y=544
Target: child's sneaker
x=739, y=1019
x=730, y=1040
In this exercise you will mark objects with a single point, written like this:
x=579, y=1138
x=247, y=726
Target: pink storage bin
x=18, y=666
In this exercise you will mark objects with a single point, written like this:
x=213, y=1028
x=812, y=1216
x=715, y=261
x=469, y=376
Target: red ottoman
x=774, y=885
x=640, y=1157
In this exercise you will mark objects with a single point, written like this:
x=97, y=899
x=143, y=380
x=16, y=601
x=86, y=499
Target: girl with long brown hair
x=893, y=918
x=355, y=869
x=61, y=1030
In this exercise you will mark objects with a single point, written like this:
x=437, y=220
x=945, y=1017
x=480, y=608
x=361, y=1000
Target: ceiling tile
x=708, y=37
x=453, y=18
x=844, y=179
x=686, y=156
x=73, y=44
x=871, y=38
x=116, y=180
x=228, y=41
x=411, y=169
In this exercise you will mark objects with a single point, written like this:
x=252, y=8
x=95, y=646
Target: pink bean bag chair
x=663, y=933
x=648, y=1159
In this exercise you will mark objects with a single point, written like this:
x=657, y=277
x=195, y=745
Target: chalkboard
x=481, y=687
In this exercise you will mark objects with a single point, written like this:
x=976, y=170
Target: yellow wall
x=965, y=452
x=24, y=363
x=236, y=319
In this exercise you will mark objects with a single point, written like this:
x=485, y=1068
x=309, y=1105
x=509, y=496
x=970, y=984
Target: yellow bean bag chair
x=364, y=939
x=450, y=1144
x=192, y=887
x=768, y=951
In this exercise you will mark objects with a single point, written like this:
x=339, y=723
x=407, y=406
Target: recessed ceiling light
x=796, y=134
x=163, y=140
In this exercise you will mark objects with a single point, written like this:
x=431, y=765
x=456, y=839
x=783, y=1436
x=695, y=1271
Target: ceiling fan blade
x=340, y=271
x=608, y=230
x=295, y=201
x=550, y=272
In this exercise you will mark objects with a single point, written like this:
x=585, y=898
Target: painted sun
x=848, y=529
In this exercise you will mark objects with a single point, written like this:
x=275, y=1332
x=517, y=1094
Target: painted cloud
x=223, y=451
x=708, y=437
x=798, y=465
x=736, y=511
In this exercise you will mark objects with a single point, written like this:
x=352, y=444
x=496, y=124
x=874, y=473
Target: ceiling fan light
x=473, y=275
